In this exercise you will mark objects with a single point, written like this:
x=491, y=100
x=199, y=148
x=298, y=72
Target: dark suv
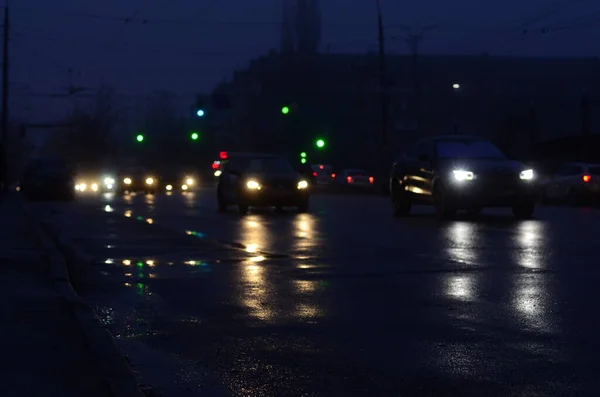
x=461, y=173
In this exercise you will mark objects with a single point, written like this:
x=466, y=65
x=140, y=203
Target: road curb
x=116, y=372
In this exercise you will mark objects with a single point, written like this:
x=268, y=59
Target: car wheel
x=400, y=202
x=243, y=208
x=443, y=208
x=523, y=211
x=573, y=198
x=221, y=203
x=303, y=207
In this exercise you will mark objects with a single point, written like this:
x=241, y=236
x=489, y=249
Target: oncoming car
x=461, y=173
x=261, y=180
x=137, y=179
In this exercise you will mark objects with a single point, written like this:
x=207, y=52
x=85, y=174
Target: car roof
x=249, y=154
x=457, y=138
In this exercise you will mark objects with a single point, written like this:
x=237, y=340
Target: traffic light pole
x=384, y=100
x=4, y=116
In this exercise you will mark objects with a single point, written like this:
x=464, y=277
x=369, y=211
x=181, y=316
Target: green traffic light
x=303, y=154
x=194, y=136
x=139, y=138
x=320, y=143
x=303, y=161
x=285, y=110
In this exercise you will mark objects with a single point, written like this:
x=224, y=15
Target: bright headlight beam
x=527, y=175
x=302, y=185
x=462, y=175
x=252, y=185
x=149, y=181
x=127, y=181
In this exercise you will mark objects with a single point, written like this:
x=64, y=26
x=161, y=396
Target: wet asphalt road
x=347, y=300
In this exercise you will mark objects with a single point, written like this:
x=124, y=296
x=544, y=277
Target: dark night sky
x=189, y=45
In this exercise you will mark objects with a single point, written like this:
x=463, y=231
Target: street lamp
x=456, y=89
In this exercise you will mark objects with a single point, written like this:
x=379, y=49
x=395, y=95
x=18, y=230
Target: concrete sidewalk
x=43, y=349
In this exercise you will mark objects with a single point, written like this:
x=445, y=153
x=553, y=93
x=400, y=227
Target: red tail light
x=223, y=155
x=371, y=179
x=349, y=179
x=333, y=175
x=215, y=166
x=321, y=166
x=314, y=174
x=587, y=178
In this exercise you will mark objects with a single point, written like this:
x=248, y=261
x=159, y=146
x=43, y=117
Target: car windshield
x=469, y=149
x=269, y=165
x=594, y=170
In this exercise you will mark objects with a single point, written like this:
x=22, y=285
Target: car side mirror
x=424, y=158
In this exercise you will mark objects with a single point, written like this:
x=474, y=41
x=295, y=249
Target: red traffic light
x=223, y=155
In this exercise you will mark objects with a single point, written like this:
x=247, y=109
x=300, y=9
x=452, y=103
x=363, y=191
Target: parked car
x=48, y=179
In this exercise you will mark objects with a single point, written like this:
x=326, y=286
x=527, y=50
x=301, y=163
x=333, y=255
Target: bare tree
x=86, y=136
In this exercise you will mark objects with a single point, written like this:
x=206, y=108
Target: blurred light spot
x=127, y=262
x=253, y=224
x=259, y=258
x=109, y=261
x=306, y=266
x=108, y=208
x=150, y=221
x=128, y=214
x=128, y=274
x=460, y=287
x=530, y=252
x=189, y=232
x=110, y=246
x=127, y=285
x=191, y=263
x=251, y=248
x=150, y=263
x=218, y=173
x=305, y=286
x=461, y=242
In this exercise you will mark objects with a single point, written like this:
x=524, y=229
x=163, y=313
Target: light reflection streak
x=306, y=306
x=530, y=245
x=460, y=247
x=304, y=225
x=531, y=300
x=461, y=287
x=256, y=291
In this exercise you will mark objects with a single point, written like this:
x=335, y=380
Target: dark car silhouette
x=461, y=173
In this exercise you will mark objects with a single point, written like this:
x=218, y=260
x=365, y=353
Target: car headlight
x=149, y=181
x=189, y=181
x=462, y=175
x=253, y=185
x=302, y=185
x=527, y=175
x=95, y=187
x=127, y=181
x=169, y=187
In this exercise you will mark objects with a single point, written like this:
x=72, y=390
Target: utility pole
x=4, y=116
x=384, y=97
x=585, y=113
x=414, y=40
